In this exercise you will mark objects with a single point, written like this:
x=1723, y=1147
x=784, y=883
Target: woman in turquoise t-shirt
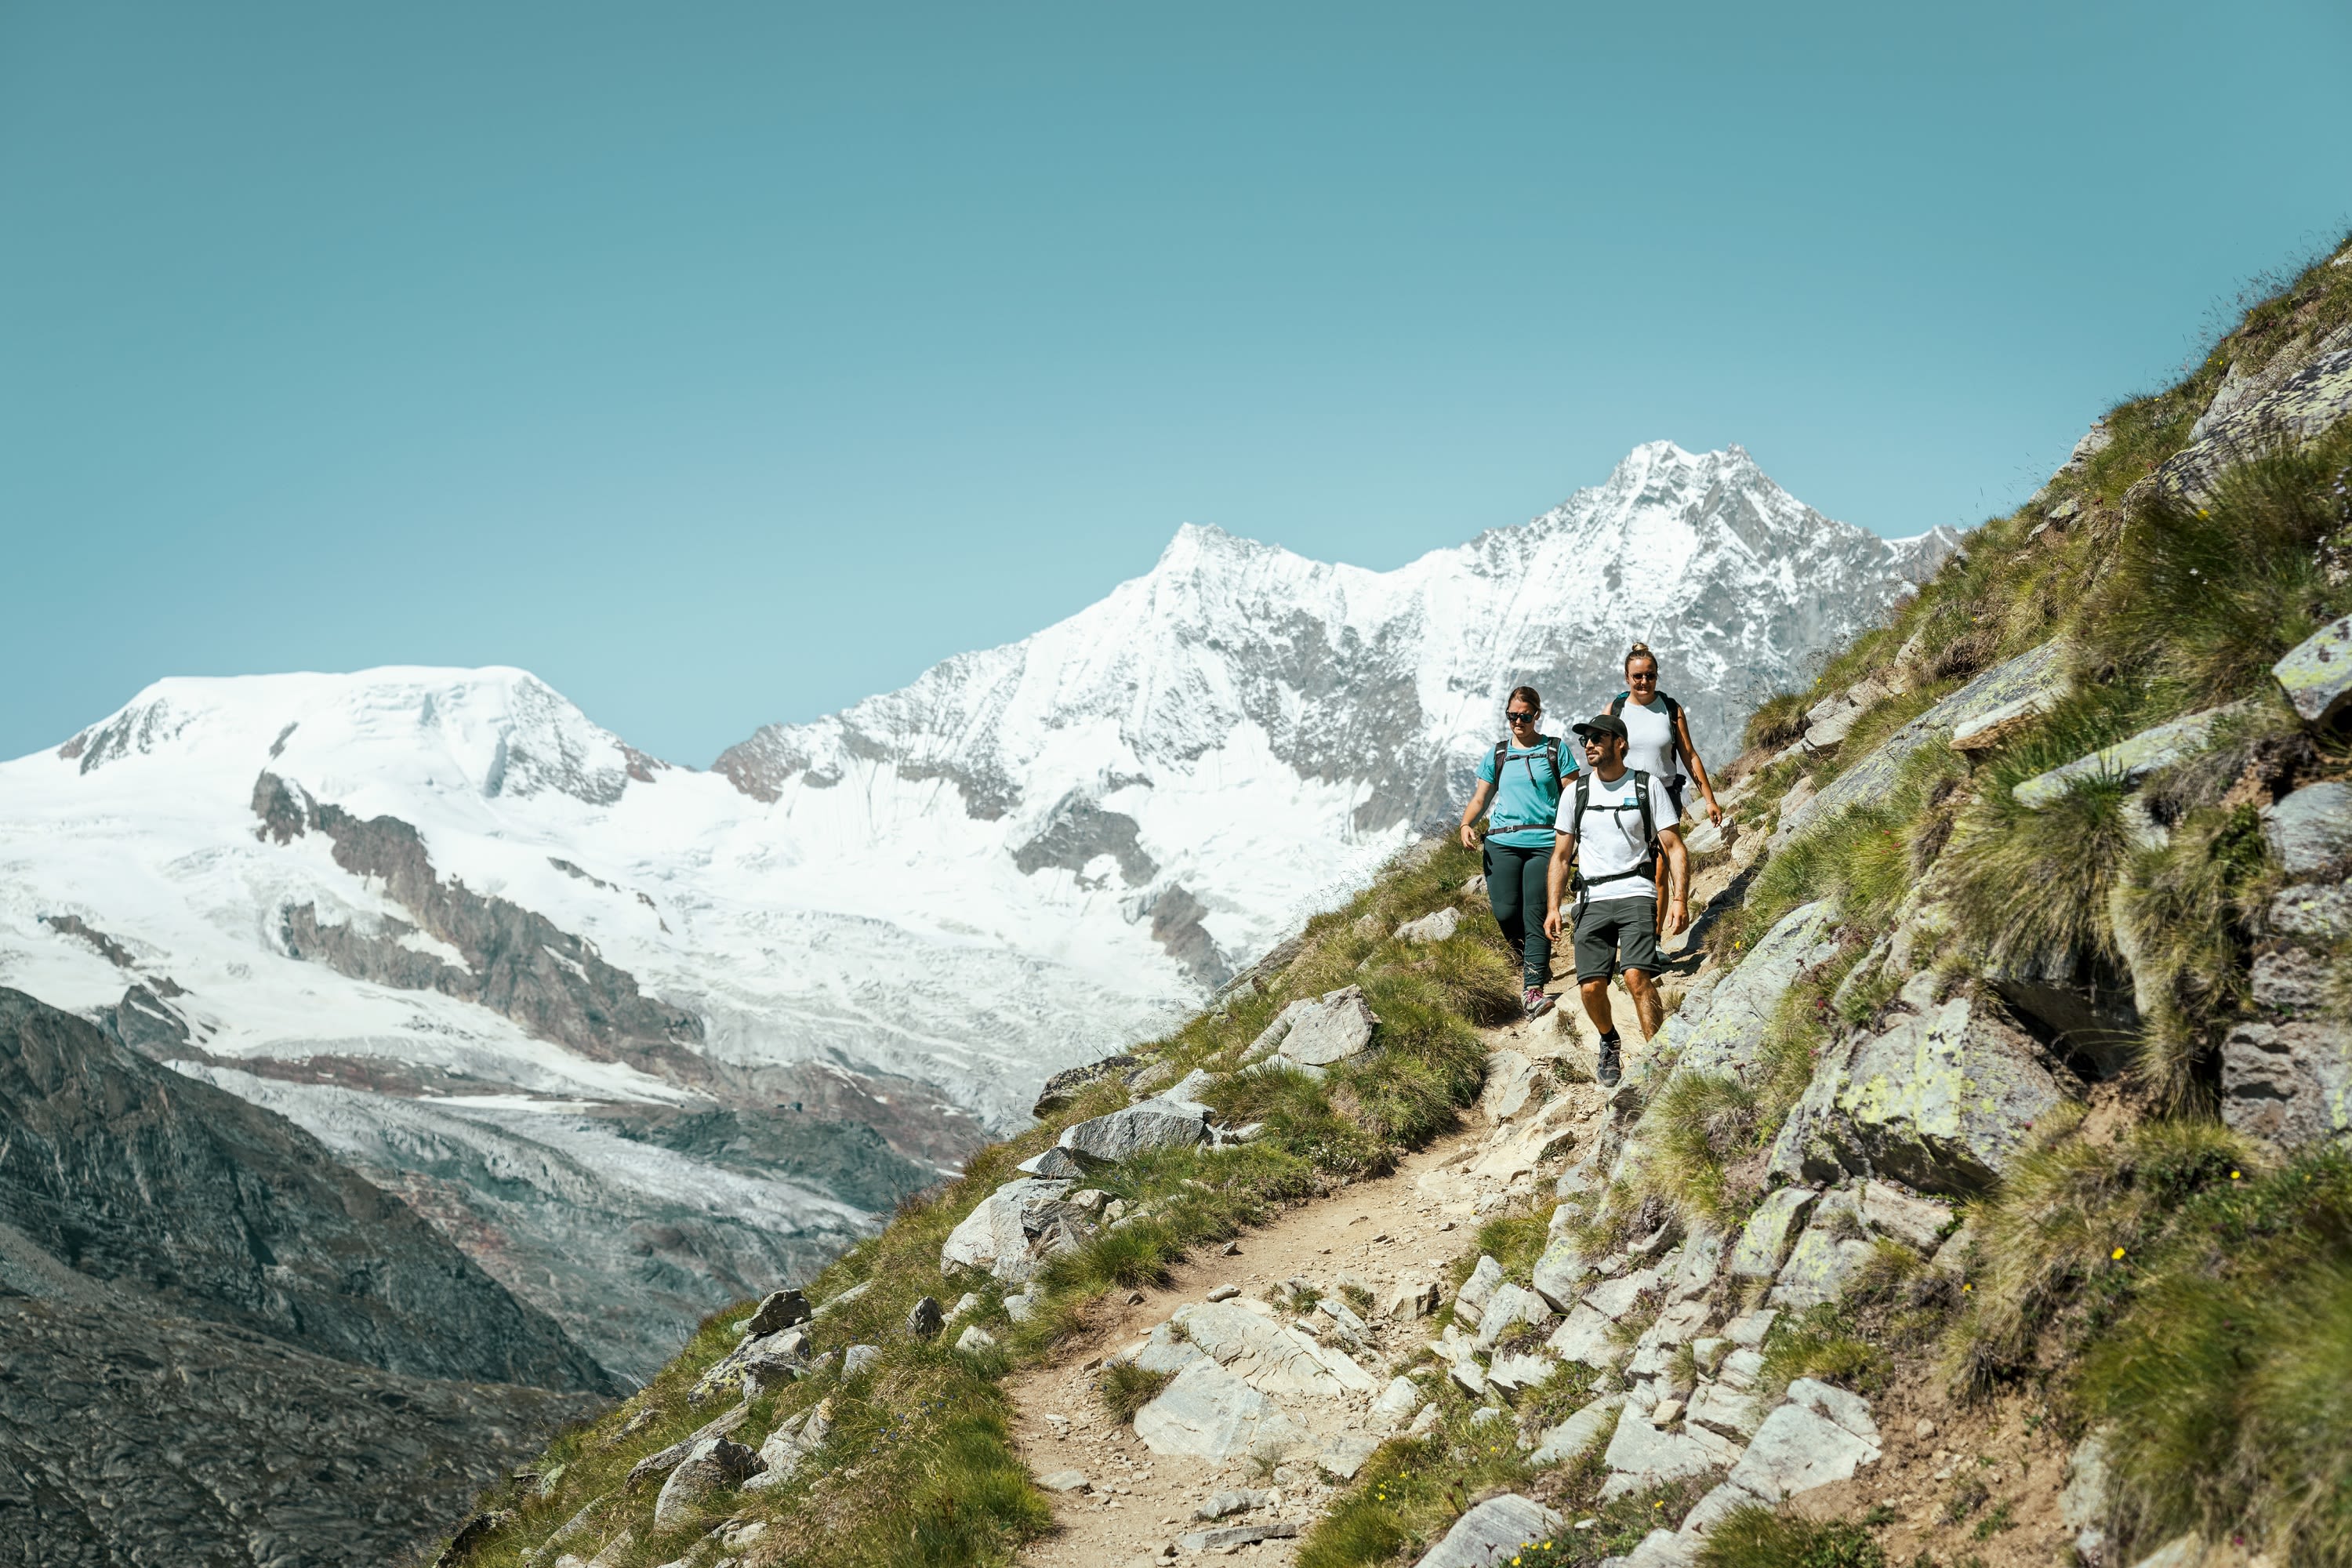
x=1523, y=777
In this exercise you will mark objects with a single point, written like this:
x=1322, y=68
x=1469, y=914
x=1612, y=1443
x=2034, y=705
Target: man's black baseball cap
x=1602, y=724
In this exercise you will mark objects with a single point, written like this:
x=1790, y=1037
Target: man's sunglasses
x=1524, y=715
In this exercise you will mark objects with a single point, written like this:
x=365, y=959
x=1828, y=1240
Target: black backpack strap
x=1502, y=754
x=1576, y=831
x=1617, y=705
x=1649, y=866
x=1552, y=754
x=1673, y=712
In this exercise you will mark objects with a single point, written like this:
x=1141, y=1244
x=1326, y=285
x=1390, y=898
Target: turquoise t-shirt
x=1526, y=801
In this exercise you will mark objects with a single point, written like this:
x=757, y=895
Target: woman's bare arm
x=1697, y=768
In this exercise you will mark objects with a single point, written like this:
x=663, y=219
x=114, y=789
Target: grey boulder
x=1822, y=1435
x=1722, y=1031
x=1490, y=1532
x=1434, y=927
x=1145, y=1125
x=1765, y=1239
x=1009, y=1231
x=1209, y=1413
x=1942, y=1101
x=778, y=1310
x=715, y=1464
x=2317, y=673
x=924, y=1318
x=2288, y=1084
x=1334, y=1028
x=1574, y=1437
x=2310, y=830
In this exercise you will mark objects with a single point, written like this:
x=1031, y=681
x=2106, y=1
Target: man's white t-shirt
x=1609, y=843
x=1649, y=739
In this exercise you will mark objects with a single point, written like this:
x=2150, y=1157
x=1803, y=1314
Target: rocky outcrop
x=123, y=1171
x=2128, y=760
x=1491, y=1531
x=2302, y=390
x=1941, y=1100
x=514, y=961
x=2286, y=1071
x=1720, y=1029
x=304, y=1370
x=1315, y=1035
x=2032, y=673
x=1014, y=1229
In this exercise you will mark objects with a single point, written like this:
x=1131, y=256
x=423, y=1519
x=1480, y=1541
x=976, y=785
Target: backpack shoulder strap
x=1551, y=752
x=1617, y=705
x=1502, y=750
x=1674, y=709
x=1576, y=831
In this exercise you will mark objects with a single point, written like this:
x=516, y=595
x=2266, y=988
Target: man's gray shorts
x=1616, y=933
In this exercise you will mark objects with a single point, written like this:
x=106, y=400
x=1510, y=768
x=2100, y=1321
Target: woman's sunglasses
x=1523, y=715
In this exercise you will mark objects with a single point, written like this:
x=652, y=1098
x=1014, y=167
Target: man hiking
x=1658, y=741
x=1523, y=776
x=1613, y=832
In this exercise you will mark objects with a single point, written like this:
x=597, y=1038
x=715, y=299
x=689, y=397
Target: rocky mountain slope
x=642, y=1040
x=1986, y=1196
x=218, y=1345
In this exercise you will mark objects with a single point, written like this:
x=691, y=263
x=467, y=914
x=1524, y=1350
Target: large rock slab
x=1574, y=1437
x=1489, y=1533
x=2310, y=831
x=1725, y=1409
x=1586, y=1337
x=1137, y=1129
x=1208, y=1413
x=1920, y=1224
x=1824, y=1261
x=1765, y=1240
x=2037, y=670
x=2289, y=1083
x=1270, y=1356
x=1641, y=1457
x=1435, y=926
x=1797, y=1449
x=1338, y=1026
x=1942, y=1101
x=2317, y=673
x=2303, y=391
x=1725, y=1034
x=2128, y=761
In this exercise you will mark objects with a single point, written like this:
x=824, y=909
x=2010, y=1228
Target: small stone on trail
x=1064, y=1481
x=1135, y=1298
x=1224, y=1292
x=1231, y=1249
x=1925, y=1430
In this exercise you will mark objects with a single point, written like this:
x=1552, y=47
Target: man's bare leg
x=1596, y=1003
x=1649, y=1007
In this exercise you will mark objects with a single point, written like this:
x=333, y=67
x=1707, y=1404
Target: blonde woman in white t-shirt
x=1658, y=740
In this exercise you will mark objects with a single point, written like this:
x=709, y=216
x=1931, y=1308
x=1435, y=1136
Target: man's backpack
x=1552, y=756
x=1673, y=710
x=1649, y=862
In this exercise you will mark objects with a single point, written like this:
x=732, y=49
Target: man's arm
x=1697, y=768
x=1678, y=880
x=1563, y=856
x=1479, y=796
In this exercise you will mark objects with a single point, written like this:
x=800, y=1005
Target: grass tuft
x=1759, y=1538
x=1126, y=1388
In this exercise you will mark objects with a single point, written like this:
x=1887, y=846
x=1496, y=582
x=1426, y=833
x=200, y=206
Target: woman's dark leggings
x=1516, y=887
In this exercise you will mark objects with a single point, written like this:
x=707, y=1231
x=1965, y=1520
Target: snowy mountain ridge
x=627, y=1032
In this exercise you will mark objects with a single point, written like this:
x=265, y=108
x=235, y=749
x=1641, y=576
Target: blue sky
x=726, y=364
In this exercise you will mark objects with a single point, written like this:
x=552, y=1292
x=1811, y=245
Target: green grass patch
x=1125, y=1388
x=1759, y=1538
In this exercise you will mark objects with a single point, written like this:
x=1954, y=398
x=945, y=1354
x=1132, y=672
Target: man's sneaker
x=1611, y=1069
x=1538, y=1002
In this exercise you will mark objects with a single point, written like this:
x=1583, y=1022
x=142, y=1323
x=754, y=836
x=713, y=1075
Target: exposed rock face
x=1211, y=1414
x=1015, y=1228
x=712, y=1466
x=120, y=1169
x=190, y=1280
x=2317, y=674
x=2128, y=760
x=2303, y=390
x=1720, y=1030
x=1942, y=1099
x=1064, y=1086
x=1331, y=1029
x=516, y=960
x=2037, y=671
x=2286, y=1073
x=1491, y=1531
x=129, y=1434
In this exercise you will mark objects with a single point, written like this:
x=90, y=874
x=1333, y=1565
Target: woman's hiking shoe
x=1611, y=1069
x=1538, y=1002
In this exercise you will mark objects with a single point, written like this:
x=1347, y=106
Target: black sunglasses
x=1530, y=714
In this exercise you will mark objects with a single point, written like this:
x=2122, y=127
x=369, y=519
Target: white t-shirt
x=1609, y=842
x=1650, y=740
